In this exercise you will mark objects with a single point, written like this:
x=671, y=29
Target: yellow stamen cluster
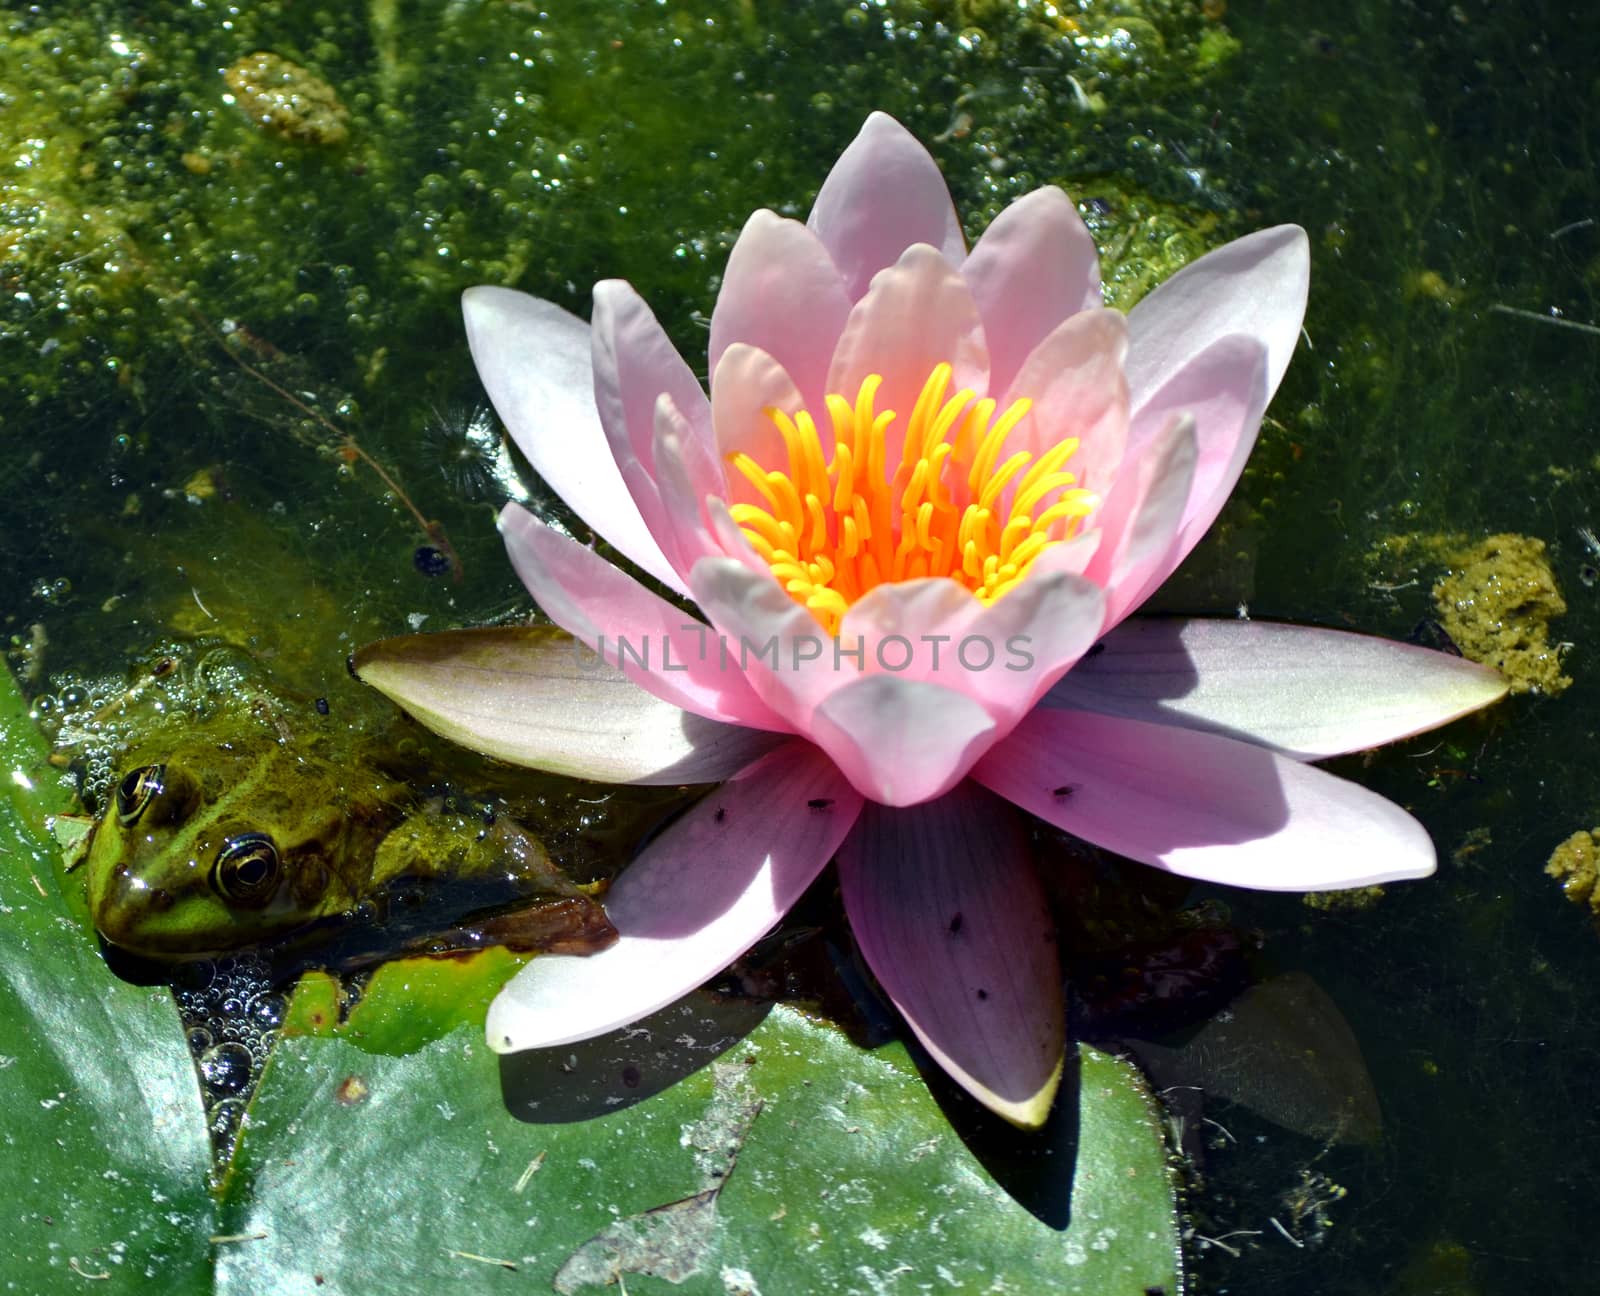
x=832, y=529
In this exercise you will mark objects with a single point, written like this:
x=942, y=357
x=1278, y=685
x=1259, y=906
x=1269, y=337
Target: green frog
x=225, y=837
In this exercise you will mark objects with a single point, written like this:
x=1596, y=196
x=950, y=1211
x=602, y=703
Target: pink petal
x=1307, y=692
x=781, y=292
x=534, y=361
x=747, y=383
x=1204, y=806
x=1255, y=285
x=901, y=742
x=948, y=911
x=1003, y=656
x=1032, y=268
x=884, y=194
x=701, y=894
x=1074, y=379
x=685, y=475
x=634, y=365
x=918, y=313
x=534, y=696
x=1224, y=388
x=658, y=646
x=1040, y=630
x=1140, y=517
x=785, y=655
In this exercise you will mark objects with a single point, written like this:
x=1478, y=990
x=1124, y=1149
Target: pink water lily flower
x=925, y=485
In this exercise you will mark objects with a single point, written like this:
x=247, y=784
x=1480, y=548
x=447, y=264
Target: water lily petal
x=660, y=647
x=1074, y=377
x=685, y=476
x=1141, y=515
x=535, y=361
x=901, y=742
x=1035, y=266
x=746, y=384
x=1204, y=806
x=918, y=313
x=781, y=292
x=1224, y=389
x=634, y=364
x=1301, y=690
x=699, y=895
x=1004, y=655
x=946, y=905
x=1040, y=630
x=533, y=696
x=785, y=654
x=1255, y=285
x=884, y=194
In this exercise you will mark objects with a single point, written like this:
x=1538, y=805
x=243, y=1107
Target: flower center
x=834, y=529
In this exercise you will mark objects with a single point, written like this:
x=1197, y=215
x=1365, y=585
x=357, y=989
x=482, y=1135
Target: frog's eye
x=137, y=790
x=247, y=870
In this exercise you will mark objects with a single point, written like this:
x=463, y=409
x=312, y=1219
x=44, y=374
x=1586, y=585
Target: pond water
x=231, y=296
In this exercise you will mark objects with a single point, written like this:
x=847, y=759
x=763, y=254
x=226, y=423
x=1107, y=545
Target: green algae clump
x=1576, y=862
x=283, y=98
x=1497, y=602
x=1352, y=901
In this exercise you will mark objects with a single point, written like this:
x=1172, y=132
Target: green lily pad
x=105, y=1154
x=794, y=1161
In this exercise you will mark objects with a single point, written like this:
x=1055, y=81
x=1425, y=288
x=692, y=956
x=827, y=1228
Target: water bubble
x=54, y=591
x=266, y=1011
x=227, y=1068
x=225, y=1118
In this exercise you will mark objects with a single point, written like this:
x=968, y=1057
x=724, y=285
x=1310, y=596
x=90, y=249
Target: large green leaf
x=105, y=1148
x=795, y=1161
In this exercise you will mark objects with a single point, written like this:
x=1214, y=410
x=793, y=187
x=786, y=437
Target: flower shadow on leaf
x=1037, y=1168
x=595, y=1077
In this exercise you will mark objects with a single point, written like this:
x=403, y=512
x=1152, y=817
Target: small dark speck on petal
x=1065, y=790
x=722, y=813
x=955, y=924
x=983, y=994
x=820, y=803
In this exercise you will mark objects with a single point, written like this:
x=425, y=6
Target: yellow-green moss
x=1497, y=602
x=1576, y=862
x=287, y=100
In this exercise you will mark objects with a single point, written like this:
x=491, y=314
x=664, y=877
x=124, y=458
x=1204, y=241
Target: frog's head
x=213, y=847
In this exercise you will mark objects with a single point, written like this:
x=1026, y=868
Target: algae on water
x=1497, y=602
x=1576, y=861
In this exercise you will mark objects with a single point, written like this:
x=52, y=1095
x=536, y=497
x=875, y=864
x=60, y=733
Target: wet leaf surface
x=792, y=1160
x=103, y=1150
